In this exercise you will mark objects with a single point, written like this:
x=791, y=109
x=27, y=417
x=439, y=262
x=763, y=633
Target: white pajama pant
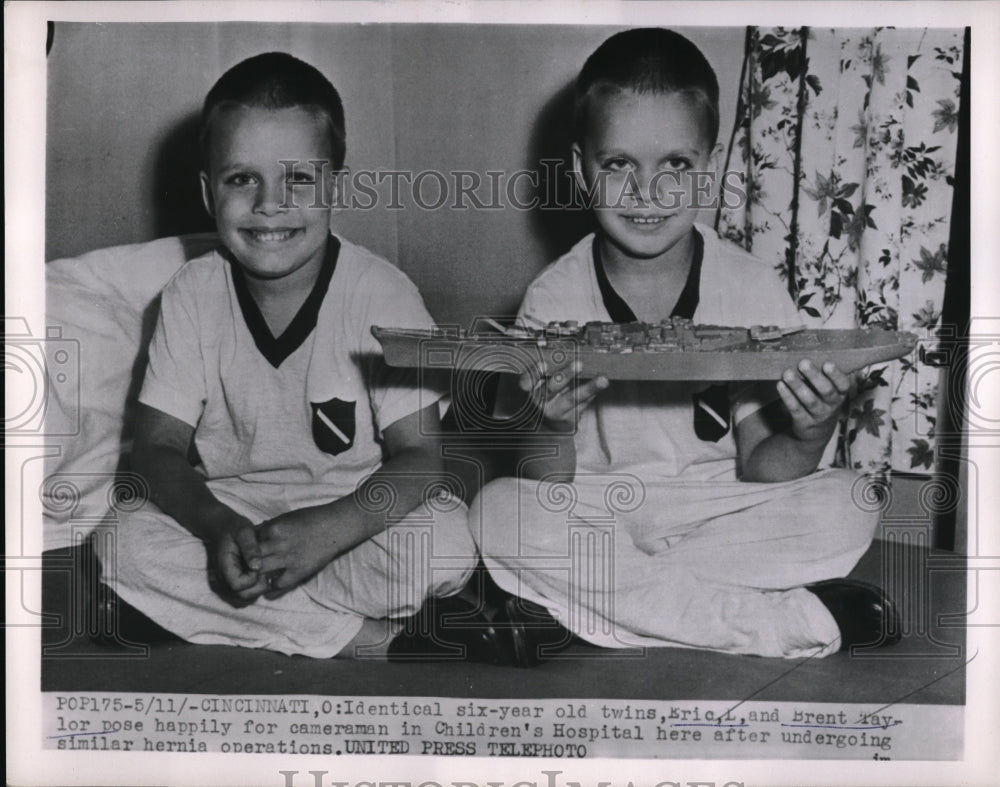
x=624, y=560
x=162, y=570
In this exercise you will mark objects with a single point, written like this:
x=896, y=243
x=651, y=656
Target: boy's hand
x=237, y=559
x=813, y=397
x=560, y=393
x=293, y=547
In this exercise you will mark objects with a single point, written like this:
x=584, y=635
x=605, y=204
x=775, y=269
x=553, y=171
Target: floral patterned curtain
x=846, y=140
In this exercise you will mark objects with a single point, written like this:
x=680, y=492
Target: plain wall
x=123, y=101
x=121, y=141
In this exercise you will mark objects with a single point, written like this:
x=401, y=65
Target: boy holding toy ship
x=666, y=513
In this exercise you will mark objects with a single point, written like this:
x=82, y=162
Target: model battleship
x=674, y=349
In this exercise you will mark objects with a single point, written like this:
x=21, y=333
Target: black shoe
x=533, y=634
x=118, y=623
x=864, y=614
x=449, y=629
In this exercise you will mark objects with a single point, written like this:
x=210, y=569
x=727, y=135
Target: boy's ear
x=715, y=159
x=206, y=193
x=331, y=186
x=578, y=167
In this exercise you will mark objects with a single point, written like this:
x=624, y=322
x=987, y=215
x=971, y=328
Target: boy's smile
x=274, y=217
x=639, y=158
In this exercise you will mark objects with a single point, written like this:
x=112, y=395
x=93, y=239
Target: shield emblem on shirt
x=333, y=425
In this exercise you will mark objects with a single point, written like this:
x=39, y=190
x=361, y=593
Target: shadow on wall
x=177, y=205
x=559, y=220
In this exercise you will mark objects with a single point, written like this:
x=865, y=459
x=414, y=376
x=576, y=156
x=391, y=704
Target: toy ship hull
x=637, y=351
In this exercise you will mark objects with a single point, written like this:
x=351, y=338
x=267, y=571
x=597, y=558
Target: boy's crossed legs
x=162, y=570
x=732, y=583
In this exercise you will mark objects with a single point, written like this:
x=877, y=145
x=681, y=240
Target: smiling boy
x=652, y=513
x=263, y=369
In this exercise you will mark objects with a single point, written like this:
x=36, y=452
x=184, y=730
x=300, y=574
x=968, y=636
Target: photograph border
x=25, y=81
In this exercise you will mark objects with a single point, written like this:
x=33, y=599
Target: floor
x=926, y=667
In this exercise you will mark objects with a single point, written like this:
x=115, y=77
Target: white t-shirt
x=650, y=424
x=293, y=421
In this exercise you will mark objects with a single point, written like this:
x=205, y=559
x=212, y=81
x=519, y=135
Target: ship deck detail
x=671, y=350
